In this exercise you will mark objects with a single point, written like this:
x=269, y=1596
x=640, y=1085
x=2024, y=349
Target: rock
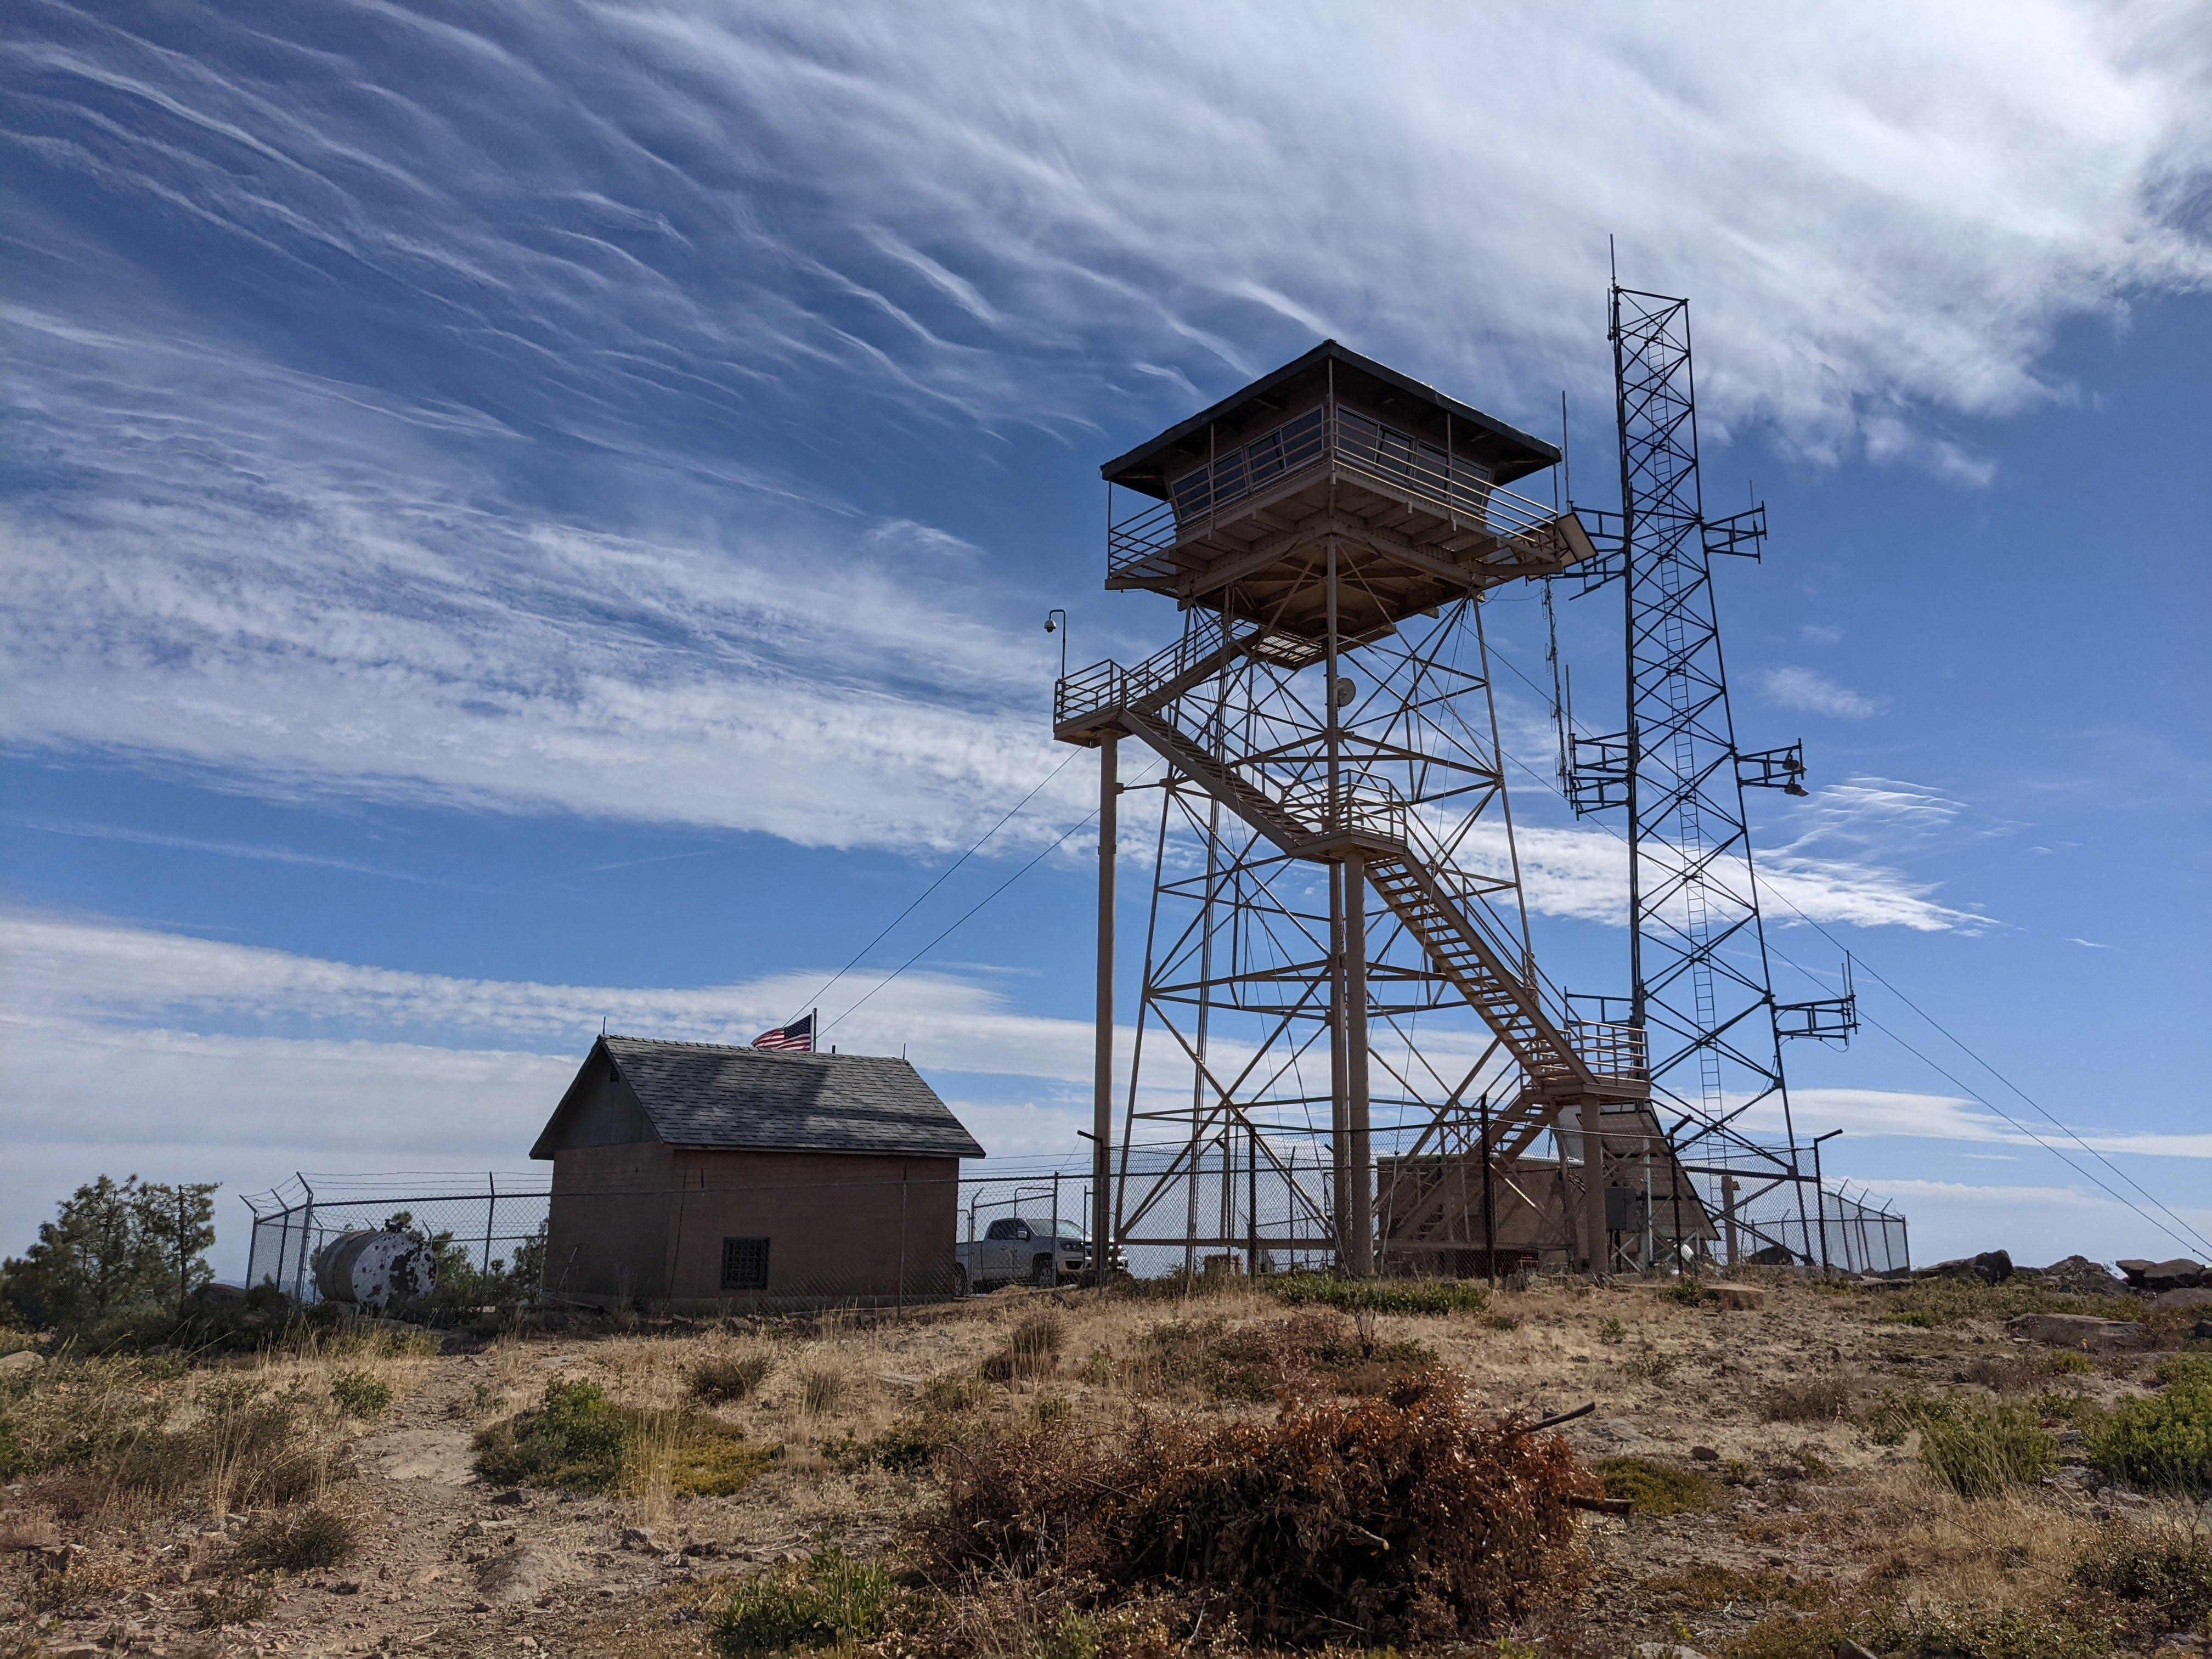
x=2185, y=1299
x=709, y=1547
x=511, y=1495
x=2081, y=1331
x=518, y=1575
x=1848, y=1649
x=1774, y=1255
x=641, y=1539
x=346, y=1587
x=1666, y=1651
x=1704, y=1453
x=2082, y=1277
x=22, y=1359
x=33, y=1532
x=1991, y=1267
x=2178, y=1274
x=1735, y=1296
x=2202, y=1332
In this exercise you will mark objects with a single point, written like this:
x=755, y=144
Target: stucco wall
x=645, y=1222
x=608, y=1231
x=840, y=1225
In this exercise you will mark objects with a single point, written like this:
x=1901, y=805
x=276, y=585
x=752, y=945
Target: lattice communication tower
x=1700, y=984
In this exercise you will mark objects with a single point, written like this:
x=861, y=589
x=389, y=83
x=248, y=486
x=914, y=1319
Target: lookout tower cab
x=1234, y=509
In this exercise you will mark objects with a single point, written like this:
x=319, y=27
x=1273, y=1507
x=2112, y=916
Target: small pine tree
x=114, y=1248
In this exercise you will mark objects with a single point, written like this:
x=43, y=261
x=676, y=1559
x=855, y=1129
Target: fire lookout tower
x=1337, y=947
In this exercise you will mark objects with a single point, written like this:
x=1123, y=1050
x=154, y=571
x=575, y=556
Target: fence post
x=283, y=1245
x=1252, y=1201
x=1728, y=1217
x=1821, y=1195
x=491, y=1206
x=1489, y=1198
x=306, y=1231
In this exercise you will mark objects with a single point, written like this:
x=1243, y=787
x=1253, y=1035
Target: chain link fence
x=1237, y=1204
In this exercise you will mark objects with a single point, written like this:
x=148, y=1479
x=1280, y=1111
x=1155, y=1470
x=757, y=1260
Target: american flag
x=798, y=1037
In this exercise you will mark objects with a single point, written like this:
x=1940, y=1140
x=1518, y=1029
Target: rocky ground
x=1786, y=1491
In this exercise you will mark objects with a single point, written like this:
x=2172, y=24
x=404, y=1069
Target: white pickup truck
x=1014, y=1251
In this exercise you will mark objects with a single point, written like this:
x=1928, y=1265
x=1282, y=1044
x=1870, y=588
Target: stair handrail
x=1107, y=684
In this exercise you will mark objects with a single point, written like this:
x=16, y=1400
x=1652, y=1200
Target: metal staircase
x=1411, y=875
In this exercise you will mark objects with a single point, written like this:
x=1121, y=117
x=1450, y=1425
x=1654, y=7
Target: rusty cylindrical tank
x=375, y=1271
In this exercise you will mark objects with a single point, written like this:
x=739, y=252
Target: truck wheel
x=959, y=1280
x=1041, y=1274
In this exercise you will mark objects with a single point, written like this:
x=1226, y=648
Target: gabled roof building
x=695, y=1175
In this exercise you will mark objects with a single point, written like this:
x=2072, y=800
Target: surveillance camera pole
x=1062, y=631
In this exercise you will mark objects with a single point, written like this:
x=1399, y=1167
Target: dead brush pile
x=1409, y=1516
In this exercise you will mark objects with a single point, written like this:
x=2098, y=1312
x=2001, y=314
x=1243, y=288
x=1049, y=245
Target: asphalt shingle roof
x=703, y=1094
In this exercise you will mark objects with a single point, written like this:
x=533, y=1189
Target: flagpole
x=813, y=1030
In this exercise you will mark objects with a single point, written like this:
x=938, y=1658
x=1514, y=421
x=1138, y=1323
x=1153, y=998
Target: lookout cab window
x=745, y=1264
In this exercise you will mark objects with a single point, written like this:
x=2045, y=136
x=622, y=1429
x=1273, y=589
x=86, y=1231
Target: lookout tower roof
x=1502, y=453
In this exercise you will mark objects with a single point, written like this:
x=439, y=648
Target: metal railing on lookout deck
x=1355, y=445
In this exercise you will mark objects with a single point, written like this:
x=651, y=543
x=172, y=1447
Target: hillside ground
x=1774, y=1453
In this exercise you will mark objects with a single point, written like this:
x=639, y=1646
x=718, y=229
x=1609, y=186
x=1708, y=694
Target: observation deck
x=1241, y=502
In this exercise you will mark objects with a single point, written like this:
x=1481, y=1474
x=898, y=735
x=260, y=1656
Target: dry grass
x=1814, y=1400
x=723, y=1379
x=304, y=1541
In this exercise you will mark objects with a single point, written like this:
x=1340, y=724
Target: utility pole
x=1102, y=1105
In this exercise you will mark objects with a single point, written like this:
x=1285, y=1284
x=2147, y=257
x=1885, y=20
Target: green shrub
x=830, y=1599
x=1613, y=1333
x=309, y=1541
x=1657, y=1490
x=573, y=1441
x=2162, y=1573
x=1032, y=1351
x=1254, y=1362
x=954, y=1394
x=1979, y=1447
x=1815, y=1400
x=71, y=1587
x=2162, y=1442
x=2184, y=1369
x=723, y=1378
x=1931, y=1302
x=1685, y=1291
x=579, y=1440
x=1396, y=1296
x=231, y=1601
x=907, y=1447
x=361, y=1393
x=2006, y=1633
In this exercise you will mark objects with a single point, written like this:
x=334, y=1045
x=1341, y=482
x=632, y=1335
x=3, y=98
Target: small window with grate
x=745, y=1264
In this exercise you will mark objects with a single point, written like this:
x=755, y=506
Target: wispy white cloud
x=1903, y=1114
x=479, y=414
x=1807, y=689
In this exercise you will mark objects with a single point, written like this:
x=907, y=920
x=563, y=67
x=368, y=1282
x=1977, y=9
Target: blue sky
x=524, y=514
